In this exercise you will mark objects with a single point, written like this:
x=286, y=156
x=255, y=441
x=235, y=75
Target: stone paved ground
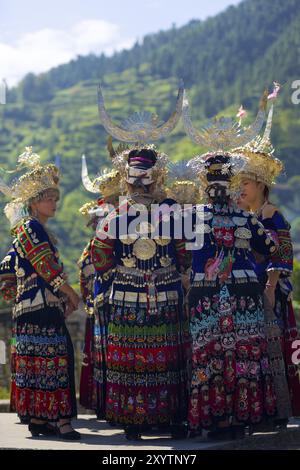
x=98, y=435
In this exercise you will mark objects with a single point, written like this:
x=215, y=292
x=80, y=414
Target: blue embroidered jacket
x=38, y=270
x=282, y=259
x=138, y=270
x=229, y=236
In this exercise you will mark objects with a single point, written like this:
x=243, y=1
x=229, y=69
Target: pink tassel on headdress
x=242, y=113
x=275, y=91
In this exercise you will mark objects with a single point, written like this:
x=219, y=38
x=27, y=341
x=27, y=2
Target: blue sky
x=37, y=35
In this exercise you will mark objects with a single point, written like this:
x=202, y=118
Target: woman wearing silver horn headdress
x=231, y=383
x=274, y=272
x=147, y=334
x=44, y=365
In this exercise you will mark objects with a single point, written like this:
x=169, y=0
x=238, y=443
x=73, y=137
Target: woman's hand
x=185, y=280
x=69, y=309
x=74, y=299
x=72, y=296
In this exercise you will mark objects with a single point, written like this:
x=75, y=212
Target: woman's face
x=250, y=191
x=46, y=207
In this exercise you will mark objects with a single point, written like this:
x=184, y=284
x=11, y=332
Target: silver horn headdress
x=106, y=184
x=220, y=137
x=223, y=134
x=141, y=126
x=261, y=164
x=139, y=129
x=108, y=181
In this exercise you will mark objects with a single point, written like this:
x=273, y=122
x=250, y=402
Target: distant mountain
x=225, y=61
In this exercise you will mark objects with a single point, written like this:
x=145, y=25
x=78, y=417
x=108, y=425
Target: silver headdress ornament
x=107, y=182
x=261, y=165
x=141, y=126
x=86, y=181
x=261, y=144
x=182, y=184
x=36, y=179
x=223, y=134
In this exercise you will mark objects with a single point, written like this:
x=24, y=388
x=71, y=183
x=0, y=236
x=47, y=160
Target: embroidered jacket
x=38, y=269
x=8, y=280
x=86, y=278
x=138, y=270
x=229, y=236
x=282, y=259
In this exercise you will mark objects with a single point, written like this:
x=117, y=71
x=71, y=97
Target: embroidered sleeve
x=86, y=275
x=33, y=244
x=260, y=240
x=282, y=258
x=102, y=254
x=8, y=281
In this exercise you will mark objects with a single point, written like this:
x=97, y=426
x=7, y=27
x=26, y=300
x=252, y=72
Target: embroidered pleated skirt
x=231, y=375
x=147, y=365
x=44, y=366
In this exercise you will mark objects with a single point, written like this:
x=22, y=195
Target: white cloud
x=40, y=50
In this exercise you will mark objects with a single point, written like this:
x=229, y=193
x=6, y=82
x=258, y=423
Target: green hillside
x=225, y=61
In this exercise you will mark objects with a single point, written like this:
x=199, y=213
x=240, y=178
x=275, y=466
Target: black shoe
x=44, y=429
x=264, y=427
x=24, y=419
x=238, y=432
x=227, y=433
x=194, y=433
x=281, y=424
x=132, y=433
x=179, y=431
x=68, y=436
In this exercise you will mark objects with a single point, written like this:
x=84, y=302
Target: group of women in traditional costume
x=185, y=332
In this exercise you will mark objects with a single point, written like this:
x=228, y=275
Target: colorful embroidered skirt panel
x=147, y=365
x=45, y=387
x=231, y=377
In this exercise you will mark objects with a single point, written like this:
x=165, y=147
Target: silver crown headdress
x=182, y=183
x=33, y=182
